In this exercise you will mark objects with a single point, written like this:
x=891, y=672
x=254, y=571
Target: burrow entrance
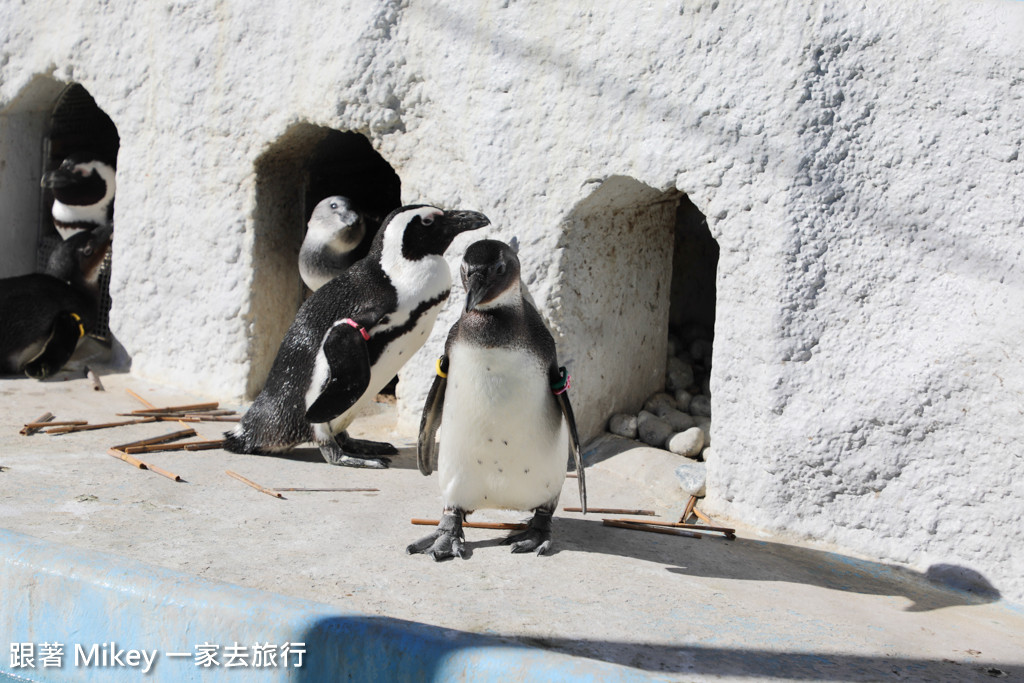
x=305, y=165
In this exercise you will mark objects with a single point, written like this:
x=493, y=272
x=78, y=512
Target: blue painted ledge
x=100, y=607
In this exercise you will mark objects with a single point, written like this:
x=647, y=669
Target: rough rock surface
x=859, y=164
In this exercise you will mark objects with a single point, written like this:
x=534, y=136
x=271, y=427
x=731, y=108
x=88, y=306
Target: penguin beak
x=476, y=288
x=457, y=222
x=59, y=177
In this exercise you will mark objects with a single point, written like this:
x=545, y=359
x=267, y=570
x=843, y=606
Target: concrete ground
x=679, y=608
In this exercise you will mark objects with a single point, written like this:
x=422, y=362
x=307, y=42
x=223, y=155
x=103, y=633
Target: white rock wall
x=860, y=167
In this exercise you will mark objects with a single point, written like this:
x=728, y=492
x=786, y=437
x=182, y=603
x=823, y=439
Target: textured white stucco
x=859, y=165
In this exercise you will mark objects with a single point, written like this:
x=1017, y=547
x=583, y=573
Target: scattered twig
x=34, y=426
x=173, y=436
x=472, y=525
x=89, y=427
x=689, y=508
x=159, y=470
x=194, y=407
x=700, y=515
x=572, y=475
x=121, y=455
x=728, y=533
x=187, y=446
x=97, y=385
x=261, y=489
x=611, y=511
x=647, y=527
x=290, y=488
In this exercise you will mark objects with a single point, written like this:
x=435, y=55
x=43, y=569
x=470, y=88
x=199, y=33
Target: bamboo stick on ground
x=261, y=489
x=97, y=385
x=473, y=525
x=89, y=427
x=173, y=436
x=193, y=407
x=159, y=470
x=647, y=527
x=611, y=511
x=729, y=533
x=289, y=488
x=689, y=508
x=34, y=426
x=121, y=455
x=187, y=446
x=53, y=423
x=701, y=516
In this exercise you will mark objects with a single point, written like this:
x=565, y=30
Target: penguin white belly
x=503, y=442
x=387, y=366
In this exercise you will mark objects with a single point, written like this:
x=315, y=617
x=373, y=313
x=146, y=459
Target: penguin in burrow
x=331, y=245
x=351, y=336
x=44, y=315
x=83, y=189
x=497, y=422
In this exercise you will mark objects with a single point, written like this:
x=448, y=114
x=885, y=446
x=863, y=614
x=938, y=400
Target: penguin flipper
x=58, y=348
x=574, y=442
x=348, y=365
x=433, y=408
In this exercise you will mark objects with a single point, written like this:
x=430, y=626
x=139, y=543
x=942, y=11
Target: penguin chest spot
x=503, y=443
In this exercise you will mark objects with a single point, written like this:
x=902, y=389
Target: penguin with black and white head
x=331, y=245
x=83, y=188
x=497, y=422
x=351, y=336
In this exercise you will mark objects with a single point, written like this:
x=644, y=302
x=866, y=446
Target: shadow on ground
x=394, y=649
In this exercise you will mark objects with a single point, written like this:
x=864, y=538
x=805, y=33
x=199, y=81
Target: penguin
x=351, y=336
x=43, y=315
x=499, y=407
x=334, y=233
x=83, y=193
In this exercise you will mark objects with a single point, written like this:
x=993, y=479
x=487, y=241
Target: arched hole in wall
x=76, y=125
x=305, y=165
x=636, y=264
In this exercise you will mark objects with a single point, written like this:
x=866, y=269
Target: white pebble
x=687, y=443
x=623, y=425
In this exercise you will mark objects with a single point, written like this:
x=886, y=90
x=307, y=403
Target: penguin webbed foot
x=365, y=446
x=446, y=542
x=347, y=452
x=536, y=536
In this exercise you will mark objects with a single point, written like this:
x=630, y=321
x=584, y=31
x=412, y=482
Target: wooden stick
x=701, y=516
x=472, y=525
x=647, y=527
x=89, y=427
x=729, y=533
x=178, y=409
x=611, y=511
x=54, y=423
x=139, y=399
x=289, y=488
x=261, y=489
x=572, y=475
x=689, y=508
x=97, y=385
x=33, y=427
x=159, y=470
x=187, y=446
x=120, y=455
x=173, y=436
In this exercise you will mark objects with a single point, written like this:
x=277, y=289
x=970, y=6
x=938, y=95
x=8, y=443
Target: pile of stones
x=679, y=418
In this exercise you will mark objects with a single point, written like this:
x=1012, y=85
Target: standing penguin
x=334, y=233
x=352, y=336
x=43, y=315
x=501, y=402
x=83, y=193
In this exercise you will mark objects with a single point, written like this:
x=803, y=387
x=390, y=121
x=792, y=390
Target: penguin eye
x=428, y=220
x=334, y=205
x=500, y=268
x=87, y=251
